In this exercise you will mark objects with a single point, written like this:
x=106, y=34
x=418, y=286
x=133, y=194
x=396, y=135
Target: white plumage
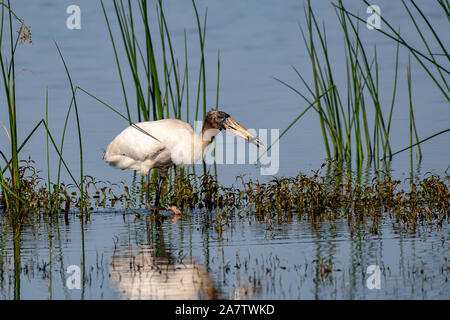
x=178, y=145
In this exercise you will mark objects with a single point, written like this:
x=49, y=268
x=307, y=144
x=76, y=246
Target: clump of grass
x=12, y=191
x=349, y=133
x=317, y=197
x=343, y=114
x=433, y=62
x=15, y=189
x=427, y=58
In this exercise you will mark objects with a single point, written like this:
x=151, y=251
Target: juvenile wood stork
x=169, y=142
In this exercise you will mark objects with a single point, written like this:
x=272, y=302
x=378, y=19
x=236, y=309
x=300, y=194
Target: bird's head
x=220, y=120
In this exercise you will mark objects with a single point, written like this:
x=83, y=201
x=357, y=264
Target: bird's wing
x=179, y=139
x=131, y=148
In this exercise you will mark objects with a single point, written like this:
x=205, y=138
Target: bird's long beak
x=237, y=129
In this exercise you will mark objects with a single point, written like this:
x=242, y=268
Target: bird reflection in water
x=151, y=273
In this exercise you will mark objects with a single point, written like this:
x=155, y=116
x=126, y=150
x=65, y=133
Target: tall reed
x=433, y=58
x=161, y=87
x=348, y=132
x=427, y=57
x=12, y=189
x=343, y=112
x=12, y=192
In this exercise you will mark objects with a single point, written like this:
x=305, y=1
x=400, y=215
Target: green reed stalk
x=312, y=56
x=421, y=141
x=159, y=85
x=346, y=132
x=201, y=75
x=394, y=89
x=421, y=57
x=446, y=7
x=217, y=108
x=9, y=77
x=117, y=61
x=430, y=53
x=412, y=122
x=17, y=258
x=48, y=151
x=52, y=140
x=79, y=132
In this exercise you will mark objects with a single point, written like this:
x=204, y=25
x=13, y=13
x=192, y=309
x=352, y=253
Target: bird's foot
x=174, y=209
x=155, y=209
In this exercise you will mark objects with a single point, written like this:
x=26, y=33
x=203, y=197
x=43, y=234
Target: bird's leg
x=158, y=191
x=172, y=208
x=156, y=206
x=147, y=203
x=147, y=189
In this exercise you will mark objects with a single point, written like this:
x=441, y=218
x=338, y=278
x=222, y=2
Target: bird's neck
x=208, y=134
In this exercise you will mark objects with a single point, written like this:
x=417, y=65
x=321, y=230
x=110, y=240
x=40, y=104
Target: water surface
x=122, y=256
x=129, y=257
x=258, y=40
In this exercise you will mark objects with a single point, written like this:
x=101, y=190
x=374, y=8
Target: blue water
x=258, y=40
x=246, y=261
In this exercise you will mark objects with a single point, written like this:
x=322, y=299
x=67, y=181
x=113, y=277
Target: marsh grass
x=343, y=113
x=8, y=77
x=24, y=193
x=158, y=95
x=350, y=132
x=318, y=197
x=15, y=191
x=433, y=62
x=315, y=197
x=425, y=57
x=161, y=86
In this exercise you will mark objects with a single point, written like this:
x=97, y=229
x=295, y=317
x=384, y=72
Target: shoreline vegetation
x=162, y=90
x=321, y=196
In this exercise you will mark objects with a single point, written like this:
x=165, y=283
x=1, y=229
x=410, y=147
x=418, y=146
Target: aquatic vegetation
x=317, y=197
x=162, y=90
x=8, y=77
x=314, y=197
x=313, y=201
x=15, y=196
x=429, y=60
x=354, y=124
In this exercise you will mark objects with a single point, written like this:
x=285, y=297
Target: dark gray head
x=220, y=120
x=217, y=119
